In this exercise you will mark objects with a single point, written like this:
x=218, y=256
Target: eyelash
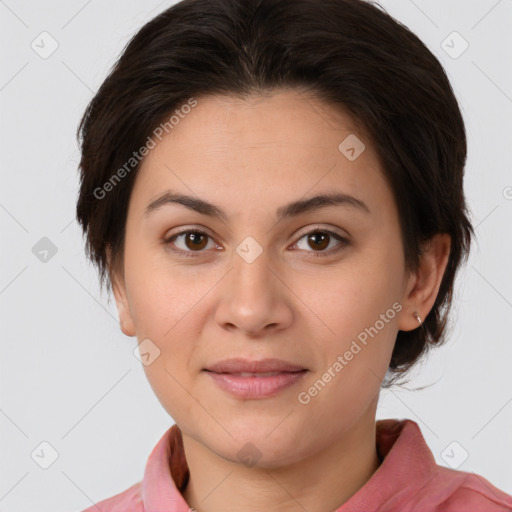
x=344, y=243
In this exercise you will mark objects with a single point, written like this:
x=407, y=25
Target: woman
x=273, y=190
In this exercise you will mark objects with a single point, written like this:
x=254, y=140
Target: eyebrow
x=290, y=210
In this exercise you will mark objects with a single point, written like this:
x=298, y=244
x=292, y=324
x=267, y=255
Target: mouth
x=255, y=385
x=257, y=374
x=247, y=367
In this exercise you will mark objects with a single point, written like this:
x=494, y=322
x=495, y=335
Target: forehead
x=258, y=150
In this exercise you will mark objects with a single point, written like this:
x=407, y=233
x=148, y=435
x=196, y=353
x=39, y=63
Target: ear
x=423, y=286
x=119, y=289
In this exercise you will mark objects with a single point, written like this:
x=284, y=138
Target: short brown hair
x=351, y=54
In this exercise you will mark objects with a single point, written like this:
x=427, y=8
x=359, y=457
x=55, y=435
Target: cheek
x=159, y=294
x=359, y=306
x=350, y=299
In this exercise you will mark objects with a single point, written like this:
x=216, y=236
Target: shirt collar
x=407, y=466
x=400, y=445
x=166, y=475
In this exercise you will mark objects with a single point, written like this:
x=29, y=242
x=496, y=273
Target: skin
x=250, y=157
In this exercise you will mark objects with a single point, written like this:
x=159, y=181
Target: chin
x=260, y=445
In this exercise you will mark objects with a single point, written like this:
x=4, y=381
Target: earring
x=415, y=315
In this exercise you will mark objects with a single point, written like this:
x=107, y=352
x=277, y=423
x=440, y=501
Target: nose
x=254, y=298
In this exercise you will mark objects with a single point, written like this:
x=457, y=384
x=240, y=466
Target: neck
x=321, y=482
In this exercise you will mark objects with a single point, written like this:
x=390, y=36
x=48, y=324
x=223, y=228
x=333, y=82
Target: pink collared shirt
x=408, y=480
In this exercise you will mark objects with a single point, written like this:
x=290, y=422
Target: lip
x=228, y=376
x=255, y=387
x=240, y=365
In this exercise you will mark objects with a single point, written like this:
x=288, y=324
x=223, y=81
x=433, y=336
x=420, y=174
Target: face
x=304, y=285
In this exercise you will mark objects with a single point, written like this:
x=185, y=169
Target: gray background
x=68, y=375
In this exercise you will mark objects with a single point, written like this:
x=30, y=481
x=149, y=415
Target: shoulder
x=460, y=491
x=410, y=480
x=129, y=500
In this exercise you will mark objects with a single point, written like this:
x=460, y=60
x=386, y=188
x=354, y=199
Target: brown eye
x=319, y=241
x=189, y=242
x=195, y=240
